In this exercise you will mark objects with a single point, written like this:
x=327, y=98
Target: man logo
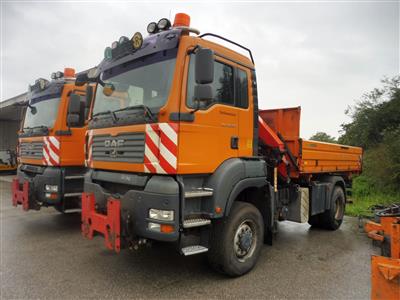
x=113, y=145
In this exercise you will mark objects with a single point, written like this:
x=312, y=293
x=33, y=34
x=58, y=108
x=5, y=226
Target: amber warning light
x=182, y=19
x=69, y=72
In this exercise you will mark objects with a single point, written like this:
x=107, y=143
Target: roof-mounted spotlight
x=152, y=28
x=114, y=45
x=108, y=53
x=123, y=40
x=53, y=75
x=164, y=24
x=59, y=74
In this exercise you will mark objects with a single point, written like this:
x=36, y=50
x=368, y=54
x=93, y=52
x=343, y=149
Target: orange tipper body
x=51, y=153
x=176, y=144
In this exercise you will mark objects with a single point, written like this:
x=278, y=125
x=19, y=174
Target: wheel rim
x=245, y=240
x=339, y=208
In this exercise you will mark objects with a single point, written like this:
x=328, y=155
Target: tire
x=332, y=218
x=236, y=241
x=315, y=221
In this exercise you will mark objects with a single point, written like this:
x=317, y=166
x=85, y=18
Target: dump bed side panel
x=319, y=157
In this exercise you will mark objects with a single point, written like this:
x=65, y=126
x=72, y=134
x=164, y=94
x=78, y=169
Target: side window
x=223, y=84
x=241, y=86
x=228, y=88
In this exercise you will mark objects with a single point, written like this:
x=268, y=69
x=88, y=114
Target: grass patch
x=361, y=204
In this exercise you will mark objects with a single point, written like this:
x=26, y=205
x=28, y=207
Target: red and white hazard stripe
x=51, y=151
x=88, y=149
x=161, y=148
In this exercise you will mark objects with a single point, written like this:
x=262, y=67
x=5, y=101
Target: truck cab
x=178, y=152
x=51, y=144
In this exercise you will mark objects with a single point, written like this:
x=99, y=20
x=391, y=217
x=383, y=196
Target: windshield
x=42, y=112
x=145, y=81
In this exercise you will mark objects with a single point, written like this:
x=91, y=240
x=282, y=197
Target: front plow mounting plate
x=20, y=196
x=109, y=225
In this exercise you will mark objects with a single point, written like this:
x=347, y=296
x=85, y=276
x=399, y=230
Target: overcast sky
x=319, y=55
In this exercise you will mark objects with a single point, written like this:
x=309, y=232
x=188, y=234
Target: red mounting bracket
x=20, y=196
x=109, y=225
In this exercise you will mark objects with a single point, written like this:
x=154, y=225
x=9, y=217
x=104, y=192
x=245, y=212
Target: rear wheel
x=236, y=241
x=332, y=218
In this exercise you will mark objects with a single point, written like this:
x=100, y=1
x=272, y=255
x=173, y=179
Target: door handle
x=234, y=142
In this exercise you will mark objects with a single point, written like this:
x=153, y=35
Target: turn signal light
x=182, y=19
x=165, y=228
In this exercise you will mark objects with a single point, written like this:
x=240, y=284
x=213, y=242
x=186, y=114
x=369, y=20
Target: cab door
x=210, y=135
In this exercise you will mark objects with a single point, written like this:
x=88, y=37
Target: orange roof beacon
x=51, y=144
x=179, y=152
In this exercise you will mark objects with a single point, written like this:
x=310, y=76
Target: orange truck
x=179, y=152
x=51, y=144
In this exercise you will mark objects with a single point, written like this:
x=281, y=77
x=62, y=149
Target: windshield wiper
x=107, y=112
x=146, y=109
x=39, y=126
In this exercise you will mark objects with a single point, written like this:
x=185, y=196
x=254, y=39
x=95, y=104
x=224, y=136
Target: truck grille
x=31, y=150
x=126, y=147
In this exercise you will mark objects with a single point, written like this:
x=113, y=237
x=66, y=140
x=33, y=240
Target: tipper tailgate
x=320, y=157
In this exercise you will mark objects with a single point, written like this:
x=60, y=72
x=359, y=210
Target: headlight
x=51, y=188
x=162, y=215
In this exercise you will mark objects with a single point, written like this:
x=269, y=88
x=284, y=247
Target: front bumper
x=38, y=177
x=104, y=212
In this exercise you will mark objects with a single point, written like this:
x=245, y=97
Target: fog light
x=51, y=188
x=162, y=215
x=164, y=228
x=154, y=227
x=52, y=196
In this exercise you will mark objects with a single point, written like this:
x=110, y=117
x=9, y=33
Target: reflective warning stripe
x=51, y=151
x=161, y=148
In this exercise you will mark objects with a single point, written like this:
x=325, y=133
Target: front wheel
x=236, y=241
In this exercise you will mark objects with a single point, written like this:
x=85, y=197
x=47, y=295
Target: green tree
x=323, y=137
x=377, y=113
x=375, y=126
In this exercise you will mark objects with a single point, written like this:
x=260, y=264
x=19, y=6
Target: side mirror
x=81, y=79
x=203, y=94
x=75, y=115
x=74, y=106
x=204, y=66
x=73, y=120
